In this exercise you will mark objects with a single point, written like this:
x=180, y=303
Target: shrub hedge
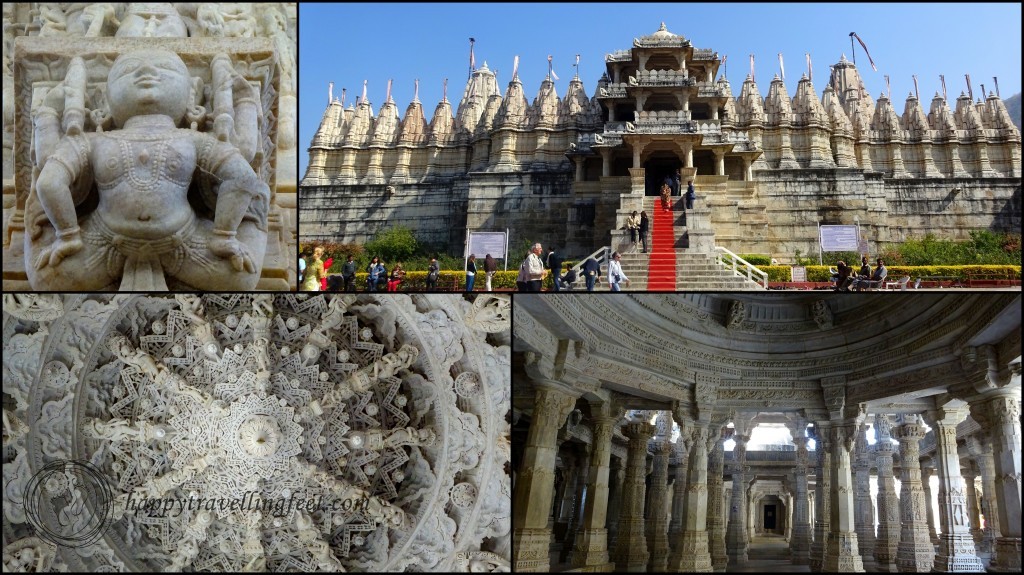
x=821, y=273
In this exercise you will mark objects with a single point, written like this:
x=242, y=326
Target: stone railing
x=612, y=91
x=764, y=456
x=708, y=126
x=662, y=116
x=701, y=54
x=659, y=42
x=661, y=78
x=619, y=56
x=728, y=259
x=709, y=90
x=606, y=140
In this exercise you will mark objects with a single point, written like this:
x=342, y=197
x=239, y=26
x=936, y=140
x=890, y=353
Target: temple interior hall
x=766, y=433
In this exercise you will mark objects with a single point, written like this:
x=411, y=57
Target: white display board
x=839, y=238
x=482, y=243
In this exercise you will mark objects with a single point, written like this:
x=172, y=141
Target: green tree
x=396, y=244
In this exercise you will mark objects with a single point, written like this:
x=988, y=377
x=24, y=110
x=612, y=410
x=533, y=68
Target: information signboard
x=839, y=238
x=482, y=243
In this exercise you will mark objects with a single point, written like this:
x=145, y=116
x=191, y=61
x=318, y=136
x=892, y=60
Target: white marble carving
x=401, y=452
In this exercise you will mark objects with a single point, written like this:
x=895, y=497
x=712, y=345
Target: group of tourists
x=313, y=274
x=865, y=278
x=670, y=187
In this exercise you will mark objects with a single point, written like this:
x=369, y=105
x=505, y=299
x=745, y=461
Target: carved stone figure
x=143, y=230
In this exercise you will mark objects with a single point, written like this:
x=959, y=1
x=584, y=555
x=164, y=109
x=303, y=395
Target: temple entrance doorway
x=770, y=513
x=659, y=165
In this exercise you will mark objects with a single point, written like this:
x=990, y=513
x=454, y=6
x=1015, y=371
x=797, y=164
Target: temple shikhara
x=568, y=171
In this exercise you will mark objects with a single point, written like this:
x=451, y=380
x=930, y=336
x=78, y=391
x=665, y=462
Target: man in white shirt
x=535, y=268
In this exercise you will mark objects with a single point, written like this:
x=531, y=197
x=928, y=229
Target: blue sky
x=349, y=43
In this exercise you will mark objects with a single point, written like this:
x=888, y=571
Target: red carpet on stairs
x=663, y=252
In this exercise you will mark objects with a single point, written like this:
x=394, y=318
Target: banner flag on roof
x=515, y=68
x=551, y=71
x=782, y=68
x=865, y=46
x=810, y=71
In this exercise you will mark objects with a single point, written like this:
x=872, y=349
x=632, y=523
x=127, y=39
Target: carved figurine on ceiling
x=115, y=208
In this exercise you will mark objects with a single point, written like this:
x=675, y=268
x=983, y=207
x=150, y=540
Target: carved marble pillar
x=716, y=509
x=631, y=548
x=1002, y=416
x=973, y=514
x=915, y=552
x=658, y=509
x=956, y=545
x=694, y=555
x=927, y=472
x=864, y=513
x=736, y=536
x=981, y=451
x=616, y=476
x=800, y=542
x=591, y=544
x=535, y=482
x=570, y=475
x=888, y=538
x=822, y=491
x=678, y=523
x=576, y=515
x=841, y=552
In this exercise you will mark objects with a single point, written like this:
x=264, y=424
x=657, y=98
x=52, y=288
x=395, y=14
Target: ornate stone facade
x=369, y=433
x=575, y=166
x=149, y=146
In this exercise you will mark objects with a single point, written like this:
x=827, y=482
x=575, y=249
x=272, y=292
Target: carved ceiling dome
x=394, y=407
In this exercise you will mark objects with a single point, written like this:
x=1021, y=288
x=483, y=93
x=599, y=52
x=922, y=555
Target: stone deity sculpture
x=143, y=230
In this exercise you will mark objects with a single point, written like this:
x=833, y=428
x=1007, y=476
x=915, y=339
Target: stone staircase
x=694, y=271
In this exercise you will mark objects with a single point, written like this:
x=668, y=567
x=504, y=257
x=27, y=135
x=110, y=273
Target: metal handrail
x=721, y=254
x=601, y=255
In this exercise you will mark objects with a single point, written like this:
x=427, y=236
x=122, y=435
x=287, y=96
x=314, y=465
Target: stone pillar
x=606, y=162
x=748, y=173
x=956, y=545
x=570, y=475
x=591, y=545
x=677, y=525
x=576, y=516
x=616, y=476
x=694, y=554
x=719, y=162
x=841, y=552
x=658, y=508
x=981, y=451
x=631, y=548
x=716, y=509
x=973, y=515
x=736, y=537
x=1001, y=415
x=579, y=168
x=800, y=542
x=888, y=538
x=536, y=479
x=915, y=552
x=927, y=471
x=864, y=514
x=822, y=498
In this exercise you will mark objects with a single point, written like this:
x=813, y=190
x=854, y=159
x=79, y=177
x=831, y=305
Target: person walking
x=555, y=261
x=591, y=269
x=666, y=198
x=690, y=195
x=643, y=227
x=433, y=271
x=314, y=271
x=490, y=266
x=615, y=273
x=676, y=178
x=348, y=273
x=470, y=272
x=535, y=268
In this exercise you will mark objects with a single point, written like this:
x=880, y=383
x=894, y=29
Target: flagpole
x=471, y=42
x=983, y=96
x=970, y=92
x=942, y=79
x=853, y=51
x=996, y=80
x=916, y=94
